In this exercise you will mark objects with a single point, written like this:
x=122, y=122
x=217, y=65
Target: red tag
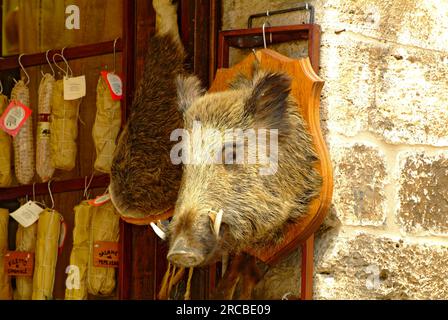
x=62, y=236
x=100, y=200
x=14, y=117
x=105, y=254
x=114, y=83
x=19, y=264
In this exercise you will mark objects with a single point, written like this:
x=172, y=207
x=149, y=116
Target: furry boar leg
x=251, y=276
x=226, y=287
x=144, y=181
x=242, y=269
x=166, y=18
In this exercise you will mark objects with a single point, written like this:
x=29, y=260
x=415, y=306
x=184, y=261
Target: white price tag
x=115, y=83
x=27, y=214
x=74, y=88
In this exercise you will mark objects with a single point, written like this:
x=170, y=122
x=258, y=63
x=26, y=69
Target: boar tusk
x=158, y=231
x=215, y=221
x=212, y=216
x=218, y=220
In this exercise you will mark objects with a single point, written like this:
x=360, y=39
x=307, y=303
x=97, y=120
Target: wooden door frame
x=143, y=255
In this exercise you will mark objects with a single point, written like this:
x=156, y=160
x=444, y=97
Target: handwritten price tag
x=114, y=83
x=105, y=254
x=74, y=88
x=27, y=214
x=14, y=117
x=19, y=264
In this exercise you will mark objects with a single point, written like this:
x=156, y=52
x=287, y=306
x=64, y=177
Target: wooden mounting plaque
x=306, y=89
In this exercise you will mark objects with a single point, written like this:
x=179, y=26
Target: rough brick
x=365, y=266
x=411, y=105
x=423, y=193
x=359, y=179
x=409, y=22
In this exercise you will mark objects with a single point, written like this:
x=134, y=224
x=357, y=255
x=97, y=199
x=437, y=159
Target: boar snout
x=183, y=255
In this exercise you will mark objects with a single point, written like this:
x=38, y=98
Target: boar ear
x=188, y=90
x=268, y=101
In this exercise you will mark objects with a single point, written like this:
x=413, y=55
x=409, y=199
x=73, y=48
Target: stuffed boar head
x=247, y=168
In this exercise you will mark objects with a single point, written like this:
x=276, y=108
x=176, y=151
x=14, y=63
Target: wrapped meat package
x=44, y=167
x=106, y=127
x=64, y=129
x=80, y=254
x=48, y=230
x=5, y=147
x=25, y=242
x=23, y=141
x=104, y=227
x=5, y=282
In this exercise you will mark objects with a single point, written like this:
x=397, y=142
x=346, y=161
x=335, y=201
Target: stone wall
x=385, y=117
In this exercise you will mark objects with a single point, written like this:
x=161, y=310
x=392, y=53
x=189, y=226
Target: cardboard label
x=100, y=200
x=74, y=88
x=105, y=254
x=14, y=117
x=19, y=264
x=27, y=214
x=114, y=83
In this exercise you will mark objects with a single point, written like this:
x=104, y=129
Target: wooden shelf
x=70, y=53
x=77, y=184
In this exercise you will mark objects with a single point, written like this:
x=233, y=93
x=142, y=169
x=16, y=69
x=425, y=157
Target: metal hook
x=49, y=63
x=51, y=195
x=66, y=63
x=264, y=34
x=87, y=186
x=23, y=69
x=115, y=53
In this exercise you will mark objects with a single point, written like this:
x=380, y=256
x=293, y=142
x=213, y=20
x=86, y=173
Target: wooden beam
x=70, y=53
x=128, y=61
x=56, y=187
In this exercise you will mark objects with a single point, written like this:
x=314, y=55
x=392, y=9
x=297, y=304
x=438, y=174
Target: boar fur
x=143, y=179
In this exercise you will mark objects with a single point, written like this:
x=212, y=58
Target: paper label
x=74, y=88
x=105, y=254
x=14, y=117
x=27, y=214
x=43, y=130
x=19, y=264
x=100, y=200
x=114, y=83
